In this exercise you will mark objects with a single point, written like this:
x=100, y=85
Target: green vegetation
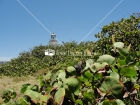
x=30, y=62
x=14, y=83
x=107, y=74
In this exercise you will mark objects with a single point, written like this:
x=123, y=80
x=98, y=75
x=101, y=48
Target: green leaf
x=24, y=87
x=119, y=102
x=105, y=102
x=111, y=86
x=87, y=83
x=123, y=51
x=77, y=91
x=79, y=102
x=128, y=72
x=97, y=66
x=61, y=75
x=89, y=63
x=8, y=94
x=107, y=58
x=11, y=102
x=88, y=96
x=82, y=78
x=85, y=89
x=71, y=84
x=36, y=97
x=22, y=101
x=118, y=44
x=58, y=84
x=48, y=75
x=33, y=95
x=121, y=62
x=53, y=78
x=130, y=61
x=44, y=98
x=35, y=88
x=59, y=96
x=88, y=74
x=98, y=76
x=114, y=75
x=108, y=102
x=71, y=69
x=13, y=93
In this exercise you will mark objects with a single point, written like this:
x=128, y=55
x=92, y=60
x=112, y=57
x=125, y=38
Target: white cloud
x=5, y=58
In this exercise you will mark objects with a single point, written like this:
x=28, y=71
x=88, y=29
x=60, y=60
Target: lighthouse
x=53, y=41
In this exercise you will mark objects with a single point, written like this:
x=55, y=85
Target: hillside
x=30, y=62
x=90, y=73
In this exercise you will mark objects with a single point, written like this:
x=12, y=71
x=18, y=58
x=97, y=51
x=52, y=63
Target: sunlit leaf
x=114, y=75
x=107, y=58
x=59, y=96
x=118, y=44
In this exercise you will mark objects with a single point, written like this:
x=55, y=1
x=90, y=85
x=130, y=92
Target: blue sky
x=21, y=29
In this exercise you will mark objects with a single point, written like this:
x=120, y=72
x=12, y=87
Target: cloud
x=5, y=58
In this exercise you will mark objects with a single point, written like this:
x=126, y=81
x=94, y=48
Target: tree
x=125, y=30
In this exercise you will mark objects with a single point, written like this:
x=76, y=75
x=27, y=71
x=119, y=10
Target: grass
x=16, y=82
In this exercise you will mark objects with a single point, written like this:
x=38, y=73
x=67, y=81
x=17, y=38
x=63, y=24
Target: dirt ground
x=15, y=83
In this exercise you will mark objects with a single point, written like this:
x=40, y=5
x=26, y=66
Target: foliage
x=27, y=63
x=107, y=74
x=7, y=95
x=104, y=80
x=30, y=62
x=125, y=30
